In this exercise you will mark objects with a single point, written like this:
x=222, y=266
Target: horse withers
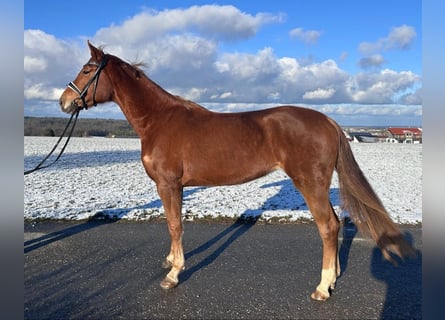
x=184, y=144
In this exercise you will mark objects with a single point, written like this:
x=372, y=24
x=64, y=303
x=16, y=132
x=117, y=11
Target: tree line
x=34, y=126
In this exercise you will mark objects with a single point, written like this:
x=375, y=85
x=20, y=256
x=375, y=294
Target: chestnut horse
x=184, y=144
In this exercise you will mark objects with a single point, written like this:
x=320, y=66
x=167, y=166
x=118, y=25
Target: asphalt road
x=112, y=270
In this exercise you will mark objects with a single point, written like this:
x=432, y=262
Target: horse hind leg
x=328, y=225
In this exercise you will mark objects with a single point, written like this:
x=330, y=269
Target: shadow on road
x=100, y=218
x=288, y=198
x=237, y=229
x=349, y=231
x=409, y=274
x=46, y=239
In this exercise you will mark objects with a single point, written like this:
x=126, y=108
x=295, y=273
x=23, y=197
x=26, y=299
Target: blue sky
x=357, y=61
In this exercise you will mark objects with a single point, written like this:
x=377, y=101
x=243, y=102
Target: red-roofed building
x=406, y=135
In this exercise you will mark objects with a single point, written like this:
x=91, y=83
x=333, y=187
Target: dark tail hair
x=364, y=206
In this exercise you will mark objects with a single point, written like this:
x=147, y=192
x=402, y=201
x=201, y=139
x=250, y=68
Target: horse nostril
x=61, y=102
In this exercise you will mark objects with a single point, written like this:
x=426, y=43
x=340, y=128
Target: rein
x=40, y=165
x=75, y=115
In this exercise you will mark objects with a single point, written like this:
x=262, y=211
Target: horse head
x=90, y=87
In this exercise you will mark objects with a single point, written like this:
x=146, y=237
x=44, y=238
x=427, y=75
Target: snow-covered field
x=104, y=177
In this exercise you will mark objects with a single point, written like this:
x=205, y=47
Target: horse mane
x=136, y=67
x=185, y=102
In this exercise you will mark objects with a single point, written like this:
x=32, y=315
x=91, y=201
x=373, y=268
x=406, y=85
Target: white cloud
x=312, y=74
x=249, y=67
x=179, y=53
x=346, y=114
x=296, y=80
x=34, y=64
x=184, y=56
x=193, y=93
x=412, y=98
x=38, y=91
x=319, y=94
x=226, y=95
x=217, y=22
x=259, y=77
x=307, y=36
x=380, y=87
x=376, y=60
x=398, y=38
x=371, y=110
x=49, y=64
x=40, y=41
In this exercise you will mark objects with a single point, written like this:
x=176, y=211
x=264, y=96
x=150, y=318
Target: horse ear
x=95, y=53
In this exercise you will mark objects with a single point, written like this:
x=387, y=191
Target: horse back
x=207, y=148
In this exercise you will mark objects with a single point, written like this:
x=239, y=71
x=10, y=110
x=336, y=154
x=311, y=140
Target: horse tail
x=364, y=206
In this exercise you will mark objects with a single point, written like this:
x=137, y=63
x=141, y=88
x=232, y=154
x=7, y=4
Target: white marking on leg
x=328, y=278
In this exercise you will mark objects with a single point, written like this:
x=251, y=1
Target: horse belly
x=228, y=169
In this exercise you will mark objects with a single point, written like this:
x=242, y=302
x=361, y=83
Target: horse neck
x=141, y=100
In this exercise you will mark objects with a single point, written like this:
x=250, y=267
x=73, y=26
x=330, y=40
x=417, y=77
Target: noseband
x=94, y=78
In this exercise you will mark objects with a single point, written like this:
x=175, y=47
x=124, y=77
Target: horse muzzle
x=70, y=106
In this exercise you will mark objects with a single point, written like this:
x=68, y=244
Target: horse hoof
x=319, y=296
x=167, y=284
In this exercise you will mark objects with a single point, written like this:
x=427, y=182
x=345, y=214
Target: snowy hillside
x=100, y=176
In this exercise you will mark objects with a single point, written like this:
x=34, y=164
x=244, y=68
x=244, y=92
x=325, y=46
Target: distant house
x=405, y=135
x=363, y=136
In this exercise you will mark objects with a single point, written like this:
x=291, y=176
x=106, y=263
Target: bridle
x=95, y=78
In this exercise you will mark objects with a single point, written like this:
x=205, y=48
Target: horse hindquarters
x=310, y=163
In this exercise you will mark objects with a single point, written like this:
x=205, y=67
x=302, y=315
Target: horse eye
x=86, y=71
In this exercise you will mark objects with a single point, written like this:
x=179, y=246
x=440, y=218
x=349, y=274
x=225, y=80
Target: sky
x=360, y=62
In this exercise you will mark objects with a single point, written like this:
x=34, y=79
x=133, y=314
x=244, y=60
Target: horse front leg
x=171, y=196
